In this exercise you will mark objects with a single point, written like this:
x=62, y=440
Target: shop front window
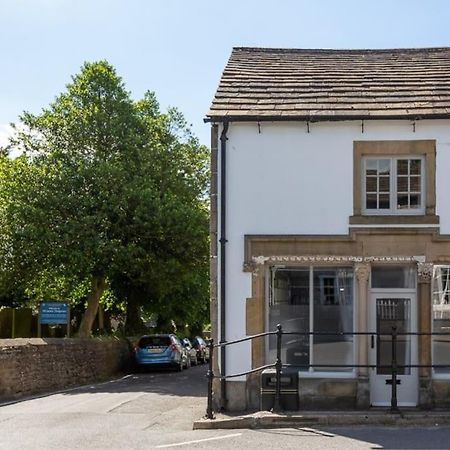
x=313, y=299
x=441, y=319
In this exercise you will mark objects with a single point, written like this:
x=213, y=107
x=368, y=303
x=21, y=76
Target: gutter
x=312, y=119
x=223, y=241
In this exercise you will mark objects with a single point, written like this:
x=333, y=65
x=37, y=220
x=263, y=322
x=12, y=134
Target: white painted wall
x=287, y=181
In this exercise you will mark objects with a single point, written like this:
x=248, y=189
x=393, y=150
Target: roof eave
x=331, y=118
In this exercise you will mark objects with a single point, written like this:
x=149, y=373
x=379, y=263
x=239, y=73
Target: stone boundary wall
x=33, y=365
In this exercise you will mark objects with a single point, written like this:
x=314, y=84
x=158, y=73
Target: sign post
x=54, y=313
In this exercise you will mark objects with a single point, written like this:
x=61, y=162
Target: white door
x=388, y=309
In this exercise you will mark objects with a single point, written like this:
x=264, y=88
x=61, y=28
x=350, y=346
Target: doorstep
x=266, y=419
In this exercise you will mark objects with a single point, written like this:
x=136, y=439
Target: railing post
x=394, y=369
x=278, y=365
x=210, y=375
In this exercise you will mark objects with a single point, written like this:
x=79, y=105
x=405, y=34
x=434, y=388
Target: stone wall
x=30, y=366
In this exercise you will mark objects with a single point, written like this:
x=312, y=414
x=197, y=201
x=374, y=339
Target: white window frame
x=311, y=373
x=393, y=210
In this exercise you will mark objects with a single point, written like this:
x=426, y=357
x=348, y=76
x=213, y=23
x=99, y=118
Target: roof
x=300, y=84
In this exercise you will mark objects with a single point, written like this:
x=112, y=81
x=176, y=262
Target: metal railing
x=278, y=365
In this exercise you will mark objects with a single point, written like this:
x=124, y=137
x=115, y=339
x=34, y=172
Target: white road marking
x=227, y=436
x=320, y=432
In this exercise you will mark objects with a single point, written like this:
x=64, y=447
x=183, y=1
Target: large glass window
x=393, y=277
x=313, y=300
x=393, y=185
x=441, y=319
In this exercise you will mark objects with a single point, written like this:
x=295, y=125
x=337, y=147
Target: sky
x=178, y=48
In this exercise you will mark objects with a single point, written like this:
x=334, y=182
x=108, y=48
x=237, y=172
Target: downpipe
x=223, y=241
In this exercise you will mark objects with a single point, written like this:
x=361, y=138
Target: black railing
x=278, y=365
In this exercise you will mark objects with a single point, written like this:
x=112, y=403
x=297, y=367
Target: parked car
x=201, y=348
x=192, y=352
x=161, y=350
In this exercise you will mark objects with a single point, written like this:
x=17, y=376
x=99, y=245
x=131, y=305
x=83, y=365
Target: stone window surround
x=423, y=148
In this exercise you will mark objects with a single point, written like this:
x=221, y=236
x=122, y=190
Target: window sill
x=441, y=376
x=394, y=220
x=351, y=374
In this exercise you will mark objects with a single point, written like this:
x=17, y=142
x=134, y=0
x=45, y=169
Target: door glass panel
x=393, y=312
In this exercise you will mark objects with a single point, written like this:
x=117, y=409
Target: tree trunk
x=133, y=322
x=98, y=285
x=101, y=319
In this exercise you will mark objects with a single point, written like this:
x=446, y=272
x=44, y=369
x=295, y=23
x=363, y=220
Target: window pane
x=289, y=307
x=333, y=313
x=414, y=184
x=371, y=167
x=402, y=184
x=393, y=277
x=441, y=318
x=414, y=167
x=371, y=201
x=414, y=201
x=384, y=201
x=371, y=184
x=384, y=166
x=384, y=184
x=402, y=201
x=402, y=167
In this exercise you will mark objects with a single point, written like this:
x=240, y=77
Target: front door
x=388, y=309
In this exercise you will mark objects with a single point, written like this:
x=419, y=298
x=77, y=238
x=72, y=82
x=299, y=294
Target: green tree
x=107, y=188
x=173, y=252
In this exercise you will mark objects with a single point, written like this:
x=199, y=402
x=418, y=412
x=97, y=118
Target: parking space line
x=227, y=436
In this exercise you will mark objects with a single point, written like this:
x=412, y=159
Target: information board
x=53, y=313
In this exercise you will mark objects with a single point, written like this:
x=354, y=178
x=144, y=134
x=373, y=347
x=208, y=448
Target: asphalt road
x=156, y=410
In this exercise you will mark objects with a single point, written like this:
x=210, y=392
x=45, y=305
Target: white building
x=331, y=213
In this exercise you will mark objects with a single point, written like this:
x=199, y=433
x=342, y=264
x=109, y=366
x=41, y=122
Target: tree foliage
x=108, y=190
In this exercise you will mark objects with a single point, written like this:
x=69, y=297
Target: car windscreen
x=155, y=341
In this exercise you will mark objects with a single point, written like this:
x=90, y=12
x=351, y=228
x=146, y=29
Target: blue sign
x=51, y=313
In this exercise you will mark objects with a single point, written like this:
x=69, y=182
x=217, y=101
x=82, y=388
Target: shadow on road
x=190, y=383
x=433, y=438
x=375, y=437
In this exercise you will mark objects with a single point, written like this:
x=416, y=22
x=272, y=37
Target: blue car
x=161, y=350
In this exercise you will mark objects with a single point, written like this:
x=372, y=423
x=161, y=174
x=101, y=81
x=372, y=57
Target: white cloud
x=5, y=132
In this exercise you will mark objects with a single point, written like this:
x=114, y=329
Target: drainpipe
x=223, y=241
